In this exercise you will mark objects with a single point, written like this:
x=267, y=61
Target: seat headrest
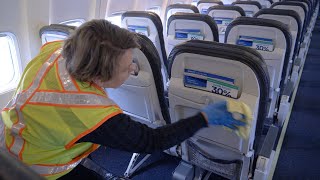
x=290, y=3
x=197, y=17
x=284, y=12
x=267, y=23
x=151, y=53
x=57, y=29
x=256, y=3
x=210, y=1
x=145, y=14
x=245, y=55
x=233, y=8
x=310, y=5
x=182, y=6
x=156, y=21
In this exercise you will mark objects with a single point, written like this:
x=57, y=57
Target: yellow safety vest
x=49, y=112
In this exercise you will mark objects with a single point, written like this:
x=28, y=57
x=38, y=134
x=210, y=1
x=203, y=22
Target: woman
x=60, y=112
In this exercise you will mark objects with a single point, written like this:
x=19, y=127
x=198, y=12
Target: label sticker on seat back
x=222, y=23
x=211, y=82
x=249, y=13
x=188, y=34
x=139, y=29
x=262, y=44
x=204, y=10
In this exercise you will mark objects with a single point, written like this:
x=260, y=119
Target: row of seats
x=257, y=78
x=261, y=78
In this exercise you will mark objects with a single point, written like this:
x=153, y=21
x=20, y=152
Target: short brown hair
x=94, y=49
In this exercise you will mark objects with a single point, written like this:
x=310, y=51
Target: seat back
x=288, y=17
x=204, y=5
x=249, y=7
x=150, y=25
x=142, y=95
x=55, y=32
x=205, y=72
x=223, y=16
x=295, y=6
x=186, y=26
x=273, y=41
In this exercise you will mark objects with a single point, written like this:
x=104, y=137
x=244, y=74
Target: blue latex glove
x=217, y=114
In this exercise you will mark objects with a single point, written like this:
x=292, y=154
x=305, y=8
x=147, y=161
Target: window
x=9, y=68
x=74, y=22
x=194, y=2
x=155, y=10
x=115, y=18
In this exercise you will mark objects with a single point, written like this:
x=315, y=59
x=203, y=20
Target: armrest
x=269, y=142
x=288, y=89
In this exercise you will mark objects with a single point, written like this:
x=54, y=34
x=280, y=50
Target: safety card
x=222, y=23
x=262, y=44
x=188, y=34
x=139, y=29
x=211, y=82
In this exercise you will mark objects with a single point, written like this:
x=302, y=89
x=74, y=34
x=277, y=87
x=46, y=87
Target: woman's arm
x=120, y=132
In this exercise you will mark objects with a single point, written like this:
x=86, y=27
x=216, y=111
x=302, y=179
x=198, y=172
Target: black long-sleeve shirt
x=120, y=132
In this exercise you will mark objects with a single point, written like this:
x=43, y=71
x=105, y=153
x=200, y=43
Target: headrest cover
x=256, y=3
x=284, y=12
x=197, y=17
x=231, y=8
x=182, y=6
x=210, y=1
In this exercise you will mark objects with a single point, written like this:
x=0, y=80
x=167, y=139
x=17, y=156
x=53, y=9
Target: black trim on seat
x=291, y=3
x=151, y=53
x=197, y=17
x=228, y=8
x=157, y=22
x=256, y=3
x=231, y=52
x=60, y=29
x=210, y=1
x=266, y=23
x=283, y=12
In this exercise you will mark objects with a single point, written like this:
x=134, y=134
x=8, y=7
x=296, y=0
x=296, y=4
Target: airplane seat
x=264, y=3
x=309, y=9
x=142, y=95
x=273, y=41
x=305, y=35
x=54, y=32
x=295, y=6
x=203, y=72
x=204, y=5
x=223, y=16
x=288, y=17
x=150, y=25
x=292, y=20
x=186, y=26
x=249, y=7
x=174, y=8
